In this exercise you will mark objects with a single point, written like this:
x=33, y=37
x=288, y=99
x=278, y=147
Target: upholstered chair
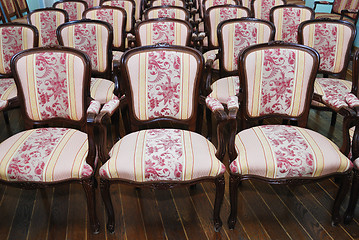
x=261, y=8
x=11, y=11
x=347, y=10
x=74, y=8
x=168, y=12
x=92, y=3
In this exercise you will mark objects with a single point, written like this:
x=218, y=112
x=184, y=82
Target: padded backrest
x=340, y=5
x=178, y=3
x=261, y=8
x=164, y=30
x=46, y=21
x=167, y=12
x=163, y=82
x=22, y=6
x=14, y=38
x=236, y=34
x=114, y=16
x=52, y=84
x=277, y=80
x=286, y=20
x=333, y=39
x=9, y=9
x=211, y=3
x=74, y=8
x=128, y=6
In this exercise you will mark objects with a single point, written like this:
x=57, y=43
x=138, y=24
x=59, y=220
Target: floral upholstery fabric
x=224, y=88
x=47, y=22
x=127, y=6
x=276, y=79
x=94, y=107
x=213, y=104
x=162, y=155
x=13, y=40
x=166, y=13
x=111, y=106
x=212, y=54
x=73, y=9
x=338, y=6
x=7, y=89
x=9, y=7
x=162, y=83
x=102, y=90
x=287, y=20
x=92, y=3
x=45, y=155
x=278, y=151
x=54, y=88
x=262, y=7
x=168, y=3
x=332, y=16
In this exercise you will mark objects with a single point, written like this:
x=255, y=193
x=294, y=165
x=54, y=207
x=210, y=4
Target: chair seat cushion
x=44, y=155
x=212, y=55
x=332, y=16
x=162, y=155
x=224, y=88
x=102, y=90
x=279, y=151
x=7, y=89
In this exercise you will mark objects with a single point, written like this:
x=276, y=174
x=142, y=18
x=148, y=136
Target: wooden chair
x=280, y=154
x=46, y=20
x=74, y=8
x=167, y=12
x=342, y=9
x=261, y=8
x=286, y=19
x=15, y=37
x=162, y=157
x=11, y=11
x=58, y=145
x=22, y=7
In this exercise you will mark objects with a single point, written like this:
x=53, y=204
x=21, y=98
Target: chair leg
x=233, y=195
x=343, y=189
x=6, y=117
x=199, y=121
x=334, y=119
x=209, y=124
x=354, y=194
x=89, y=187
x=106, y=198
x=126, y=119
x=116, y=120
x=220, y=187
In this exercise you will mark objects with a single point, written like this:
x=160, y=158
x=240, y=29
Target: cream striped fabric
x=338, y=6
x=102, y=90
x=167, y=12
x=261, y=8
x=74, y=9
x=128, y=6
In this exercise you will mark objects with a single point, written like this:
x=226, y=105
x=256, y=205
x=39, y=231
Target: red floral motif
x=94, y=107
x=168, y=13
x=277, y=81
x=111, y=106
x=85, y=40
x=47, y=28
x=11, y=44
x=163, y=32
x=163, y=84
x=164, y=155
x=266, y=6
x=352, y=100
x=325, y=42
x=28, y=163
x=338, y=9
x=334, y=91
x=89, y=3
x=291, y=21
x=5, y=84
x=213, y=104
x=115, y=3
x=232, y=102
x=294, y=158
x=51, y=81
x=71, y=9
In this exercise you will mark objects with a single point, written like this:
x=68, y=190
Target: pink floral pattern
x=278, y=74
x=12, y=43
x=166, y=13
x=51, y=81
x=71, y=9
x=47, y=28
x=163, y=84
x=213, y=104
x=164, y=155
x=266, y=6
x=338, y=6
x=334, y=91
x=111, y=106
x=5, y=84
x=232, y=102
x=94, y=107
x=163, y=32
x=352, y=100
x=28, y=163
x=291, y=21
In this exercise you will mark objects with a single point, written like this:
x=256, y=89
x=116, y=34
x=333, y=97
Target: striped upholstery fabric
x=338, y=6
x=261, y=8
x=102, y=90
x=168, y=12
x=92, y=3
x=332, y=16
x=7, y=90
x=286, y=152
x=224, y=88
x=178, y=3
x=150, y=73
x=286, y=21
x=276, y=80
x=44, y=155
x=162, y=155
x=332, y=41
x=211, y=3
x=54, y=88
x=171, y=32
x=128, y=6
x=74, y=9
x=332, y=88
x=46, y=23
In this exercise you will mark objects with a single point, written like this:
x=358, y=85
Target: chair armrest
x=322, y=3
x=118, y=90
x=354, y=11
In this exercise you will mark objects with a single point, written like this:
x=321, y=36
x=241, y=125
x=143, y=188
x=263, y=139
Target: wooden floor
x=265, y=212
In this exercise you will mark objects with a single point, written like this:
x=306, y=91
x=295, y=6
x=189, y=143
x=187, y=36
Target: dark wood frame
x=247, y=121
x=9, y=15
x=148, y=10
x=21, y=11
x=138, y=124
x=86, y=124
x=343, y=13
x=184, y=3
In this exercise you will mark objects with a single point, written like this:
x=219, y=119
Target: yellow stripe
x=215, y=164
x=149, y=34
x=339, y=51
x=129, y=17
x=188, y=156
x=242, y=156
x=99, y=44
x=317, y=153
x=142, y=87
x=279, y=24
x=8, y=91
x=117, y=31
x=12, y=151
x=48, y=172
x=36, y=23
x=140, y=156
x=79, y=161
x=79, y=14
x=344, y=161
x=230, y=47
x=298, y=83
x=185, y=58
x=71, y=33
x=112, y=169
x=214, y=31
x=257, y=88
x=95, y=83
x=268, y=153
x=178, y=34
x=58, y=19
x=2, y=64
x=260, y=35
x=311, y=35
x=32, y=88
x=24, y=39
x=71, y=86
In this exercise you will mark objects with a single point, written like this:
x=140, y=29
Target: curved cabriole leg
x=89, y=187
x=220, y=186
x=233, y=191
x=354, y=194
x=116, y=120
x=333, y=119
x=106, y=198
x=209, y=123
x=199, y=119
x=343, y=189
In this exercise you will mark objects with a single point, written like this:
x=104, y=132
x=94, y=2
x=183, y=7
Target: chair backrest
x=46, y=20
x=93, y=37
x=339, y=5
x=286, y=19
x=237, y=34
x=74, y=8
x=168, y=12
x=128, y=6
x=277, y=81
x=53, y=85
x=92, y=3
x=178, y=3
x=162, y=84
x=163, y=30
x=261, y=8
x=206, y=4
x=22, y=7
x=246, y=3
x=9, y=9
x=333, y=39
x=216, y=14
x=116, y=17
x=15, y=37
